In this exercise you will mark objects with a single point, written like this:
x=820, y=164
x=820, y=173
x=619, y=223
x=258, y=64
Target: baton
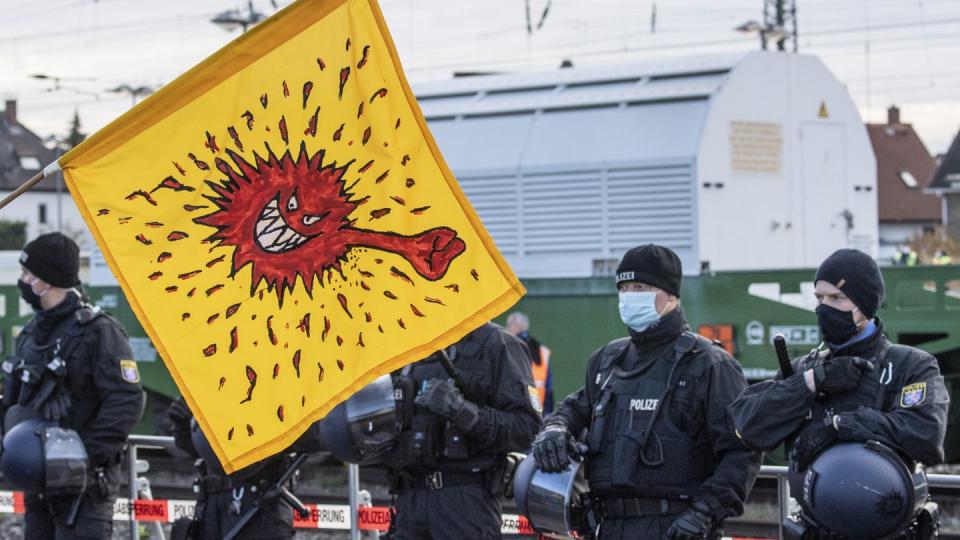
x=454, y=373
x=783, y=357
x=278, y=489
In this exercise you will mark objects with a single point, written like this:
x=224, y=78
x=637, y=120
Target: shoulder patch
x=913, y=394
x=129, y=371
x=535, y=398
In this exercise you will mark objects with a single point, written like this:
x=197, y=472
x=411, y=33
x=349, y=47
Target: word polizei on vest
x=640, y=404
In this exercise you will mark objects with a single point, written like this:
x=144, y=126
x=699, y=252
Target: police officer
x=224, y=499
x=661, y=459
x=855, y=387
x=447, y=467
x=73, y=366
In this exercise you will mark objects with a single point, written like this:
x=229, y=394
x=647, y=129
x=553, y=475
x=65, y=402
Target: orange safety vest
x=540, y=373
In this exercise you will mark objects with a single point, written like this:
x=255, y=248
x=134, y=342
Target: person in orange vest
x=518, y=324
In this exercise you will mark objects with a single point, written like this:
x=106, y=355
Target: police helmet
x=22, y=462
x=16, y=414
x=551, y=501
x=205, y=451
x=363, y=429
x=862, y=490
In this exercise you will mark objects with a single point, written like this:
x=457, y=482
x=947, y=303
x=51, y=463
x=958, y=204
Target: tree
x=75, y=136
x=13, y=234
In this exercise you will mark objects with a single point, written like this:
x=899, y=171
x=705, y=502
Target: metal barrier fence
x=135, y=442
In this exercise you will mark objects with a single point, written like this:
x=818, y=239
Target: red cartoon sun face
x=290, y=218
x=307, y=213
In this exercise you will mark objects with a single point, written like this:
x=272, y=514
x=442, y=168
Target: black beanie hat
x=857, y=275
x=654, y=265
x=54, y=258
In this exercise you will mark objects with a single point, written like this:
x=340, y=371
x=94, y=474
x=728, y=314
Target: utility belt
x=629, y=507
x=214, y=483
x=434, y=480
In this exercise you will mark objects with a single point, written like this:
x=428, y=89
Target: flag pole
x=47, y=171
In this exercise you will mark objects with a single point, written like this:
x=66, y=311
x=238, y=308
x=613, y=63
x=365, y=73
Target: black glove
x=840, y=374
x=694, y=524
x=811, y=441
x=443, y=398
x=56, y=406
x=553, y=447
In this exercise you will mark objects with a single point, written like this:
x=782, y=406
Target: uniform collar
x=663, y=333
x=45, y=321
x=865, y=347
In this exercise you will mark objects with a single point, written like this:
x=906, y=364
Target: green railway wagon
x=744, y=310
x=575, y=316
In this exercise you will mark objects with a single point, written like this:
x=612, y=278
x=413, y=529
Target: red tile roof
x=899, y=150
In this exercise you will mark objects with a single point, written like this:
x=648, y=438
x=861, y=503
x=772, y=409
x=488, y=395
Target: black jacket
x=881, y=408
x=706, y=381
x=496, y=369
x=102, y=380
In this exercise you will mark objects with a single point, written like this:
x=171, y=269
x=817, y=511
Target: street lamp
x=134, y=92
x=232, y=19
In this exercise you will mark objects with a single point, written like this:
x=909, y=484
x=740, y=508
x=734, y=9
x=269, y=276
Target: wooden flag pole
x=48, y=170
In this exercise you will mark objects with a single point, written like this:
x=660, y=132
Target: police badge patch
x=535, y=398
x=913, y=394
x=129, y=371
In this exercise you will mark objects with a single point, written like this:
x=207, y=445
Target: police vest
x=426, y=441
x=57, y=364
x=540, y=373
x=635, y=446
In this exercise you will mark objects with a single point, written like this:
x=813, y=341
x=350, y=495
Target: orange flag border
x=230, y=59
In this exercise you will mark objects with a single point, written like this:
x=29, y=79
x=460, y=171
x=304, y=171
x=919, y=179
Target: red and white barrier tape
x=322, y=516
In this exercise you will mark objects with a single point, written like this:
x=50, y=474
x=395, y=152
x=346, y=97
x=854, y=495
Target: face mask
x=837, y=327
x=30, y=297
x=638, y=310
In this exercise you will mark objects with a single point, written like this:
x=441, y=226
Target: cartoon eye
x=292, y=203
x=308, y=219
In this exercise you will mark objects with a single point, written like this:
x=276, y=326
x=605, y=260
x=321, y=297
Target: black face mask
x=30, y=297
x=836, y=327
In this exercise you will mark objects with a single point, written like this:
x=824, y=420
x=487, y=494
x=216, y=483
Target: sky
x=883, y=51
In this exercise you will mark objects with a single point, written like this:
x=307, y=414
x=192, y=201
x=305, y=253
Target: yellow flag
x=285, y=227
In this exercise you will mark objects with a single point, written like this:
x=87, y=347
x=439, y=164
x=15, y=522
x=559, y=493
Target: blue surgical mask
x=638, y=309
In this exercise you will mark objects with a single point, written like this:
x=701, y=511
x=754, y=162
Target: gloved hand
x=553, y=447
x=443, y=398
x=56, y=406
x=694, y=524
x=839, y=374
x=811, y=441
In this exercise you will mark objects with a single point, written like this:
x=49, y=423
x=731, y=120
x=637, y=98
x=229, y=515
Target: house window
x=42, y=214
x=907, y=179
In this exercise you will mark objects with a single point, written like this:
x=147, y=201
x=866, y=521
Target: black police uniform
x=222, y=500
x=446, y=481
x=902, y=403
x=101, y=385
x=658, y=434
